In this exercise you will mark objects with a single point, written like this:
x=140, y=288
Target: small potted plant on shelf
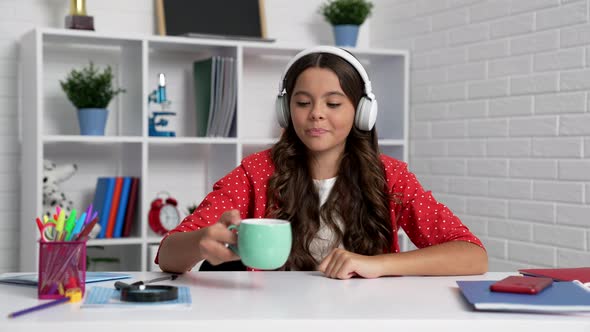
x=91, y=91
x=346, y=16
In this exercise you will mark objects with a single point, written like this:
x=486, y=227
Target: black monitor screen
x=220, y=17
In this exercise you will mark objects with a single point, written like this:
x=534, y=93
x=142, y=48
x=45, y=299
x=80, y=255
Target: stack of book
x=215, y=95
x=115, y=199
x=570, y=292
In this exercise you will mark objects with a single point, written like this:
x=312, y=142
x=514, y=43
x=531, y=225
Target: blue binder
x=102, y=202
x=562, y=296
x=122, y=207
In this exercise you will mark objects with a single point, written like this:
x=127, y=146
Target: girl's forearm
x=180, y=252
x=450, y=258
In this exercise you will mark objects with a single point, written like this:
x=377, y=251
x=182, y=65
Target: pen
x=88, y=214
x=72, y=294
x=141, y=284
x=78, y=226
x=94, y=215
x=70, y=223
x=40, y=226
x=60, y=223
x=86, y=230
x=38, y=307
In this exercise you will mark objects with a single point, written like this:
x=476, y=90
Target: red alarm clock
x=163, y=215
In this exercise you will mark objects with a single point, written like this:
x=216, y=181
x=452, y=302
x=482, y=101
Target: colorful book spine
x=132, y=206
x=120, y=220
x=102, y=202
x=114, y=207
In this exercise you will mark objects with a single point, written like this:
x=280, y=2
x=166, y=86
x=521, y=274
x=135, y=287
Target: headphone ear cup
x=282, y=110
x=366, y=114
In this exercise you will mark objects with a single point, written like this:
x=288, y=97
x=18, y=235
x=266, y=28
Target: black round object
x=149, y=294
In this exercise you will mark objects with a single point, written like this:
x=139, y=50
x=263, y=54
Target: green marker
x=70, y=223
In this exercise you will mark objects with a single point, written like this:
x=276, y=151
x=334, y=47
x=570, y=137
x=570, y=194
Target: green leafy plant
x=339, y=12
x=89, y=87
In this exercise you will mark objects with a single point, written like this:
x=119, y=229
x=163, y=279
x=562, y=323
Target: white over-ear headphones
x=366, y=110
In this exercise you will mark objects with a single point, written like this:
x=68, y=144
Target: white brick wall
x=500, y=98
x=499, y=102
x=303, y=26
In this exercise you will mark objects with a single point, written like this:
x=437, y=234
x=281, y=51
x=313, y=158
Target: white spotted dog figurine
x=53, y=176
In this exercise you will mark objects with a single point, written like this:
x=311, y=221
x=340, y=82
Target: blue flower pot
x=346, y=35
x=92, y=121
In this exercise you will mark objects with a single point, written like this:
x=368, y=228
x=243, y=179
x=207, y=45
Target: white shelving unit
x=186, y=166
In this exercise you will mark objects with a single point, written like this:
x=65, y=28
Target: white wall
x=287, y=21
x=500, y=123
x=500, y=120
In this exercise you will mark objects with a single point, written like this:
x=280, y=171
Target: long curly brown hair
x=359, y=198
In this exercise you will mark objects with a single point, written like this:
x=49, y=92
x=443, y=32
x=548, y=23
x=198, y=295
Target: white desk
x=289, y=301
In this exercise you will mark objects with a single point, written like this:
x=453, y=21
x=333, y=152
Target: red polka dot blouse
x=425, y=221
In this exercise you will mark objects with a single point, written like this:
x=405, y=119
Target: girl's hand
x=342, y=264
x=213, y=239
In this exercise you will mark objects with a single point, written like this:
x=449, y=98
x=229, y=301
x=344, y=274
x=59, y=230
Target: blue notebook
x=102, y=202
x=120, y=220
x=30, y=279
x=562, y=296
x=103, y=297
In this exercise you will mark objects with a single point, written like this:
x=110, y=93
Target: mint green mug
x=263, y=244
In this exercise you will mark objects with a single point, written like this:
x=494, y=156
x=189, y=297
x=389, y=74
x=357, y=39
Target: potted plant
x=346, y=16
x=91, y=91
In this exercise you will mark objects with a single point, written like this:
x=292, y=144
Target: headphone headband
x=331, y=50
x=366, y=109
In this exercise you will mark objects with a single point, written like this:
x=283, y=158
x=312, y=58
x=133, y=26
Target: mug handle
x=232, y=247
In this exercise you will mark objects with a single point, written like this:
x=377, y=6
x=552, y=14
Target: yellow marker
x=59, y=226
x=60, y=288
x=74, y=294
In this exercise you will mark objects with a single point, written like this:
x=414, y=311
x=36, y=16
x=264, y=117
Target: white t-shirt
x=324, y=241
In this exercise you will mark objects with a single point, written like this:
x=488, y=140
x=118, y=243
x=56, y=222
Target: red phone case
x=522, y=285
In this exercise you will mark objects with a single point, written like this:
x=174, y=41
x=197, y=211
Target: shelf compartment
x=62, y=53
x=261, y=74
x=93, y=160
x=99, y=257
x=251, y=148
x=395, y=151
x=176, y=62
x=187, y=171
x=388, y=79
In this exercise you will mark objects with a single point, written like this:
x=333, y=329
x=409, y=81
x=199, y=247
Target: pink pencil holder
x=62, y=266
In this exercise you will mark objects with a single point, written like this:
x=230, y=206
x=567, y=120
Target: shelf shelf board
x=68, y=36
x=270, y=141
x=154, y=240
x=192, y=140
x=181, y=43
x=283, y=49
x=91, y=139
x=138, y=139
x=259, y=141
x=391, y=142
x=114, y=242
